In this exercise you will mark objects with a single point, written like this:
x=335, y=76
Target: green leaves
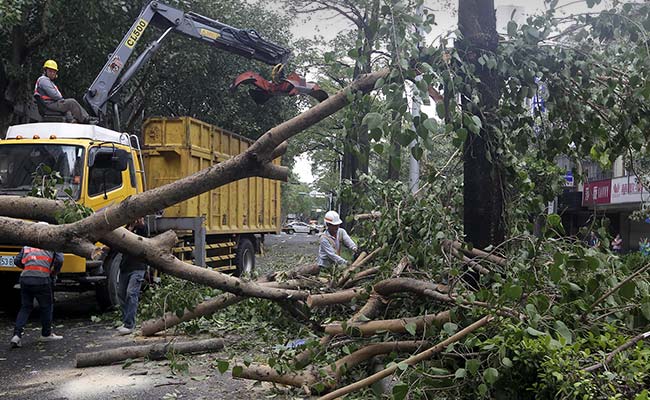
x=450, y=328
x=372, y=120
x=564, y=331
x=473, y=123
x=222, y=365
x=491, y=375
x=400, y=390
x=513, y=292
x=411, y=328
x=645, y=310
x=534, y=332
x=512, y=28
x=627, y=290
x=472, y=365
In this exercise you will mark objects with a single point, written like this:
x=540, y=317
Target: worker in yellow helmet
x=51, y=96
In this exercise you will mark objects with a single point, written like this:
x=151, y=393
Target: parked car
x=299, y=227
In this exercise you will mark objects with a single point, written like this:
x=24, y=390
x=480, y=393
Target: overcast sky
x=329, y=25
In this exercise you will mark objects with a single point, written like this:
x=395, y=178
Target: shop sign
x=597, y=192
x=627, y=189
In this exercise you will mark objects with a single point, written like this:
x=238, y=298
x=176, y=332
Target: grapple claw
x=263, y=89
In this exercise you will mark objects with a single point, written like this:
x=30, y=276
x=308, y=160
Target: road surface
x=46, y=371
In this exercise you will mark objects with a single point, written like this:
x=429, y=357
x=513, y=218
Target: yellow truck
x=221, y=229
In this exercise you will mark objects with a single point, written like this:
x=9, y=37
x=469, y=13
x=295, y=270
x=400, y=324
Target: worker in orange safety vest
x=53, y=99
x=39, y=269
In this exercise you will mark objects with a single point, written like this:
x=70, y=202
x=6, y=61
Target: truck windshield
x=19, y=162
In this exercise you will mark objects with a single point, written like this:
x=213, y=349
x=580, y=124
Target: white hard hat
x=332, y=218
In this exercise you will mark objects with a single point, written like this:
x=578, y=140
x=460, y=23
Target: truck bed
x=174, y=148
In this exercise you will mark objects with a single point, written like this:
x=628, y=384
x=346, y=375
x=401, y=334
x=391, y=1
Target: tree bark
x=358, y=277
x=360, y=261
x=409, y=361
x=327, y=375
x=474, y=252
x=326, y=299
x=397, y=285
x=156, y=351
x=370, y=310
x=483, y=188
x=390, y=325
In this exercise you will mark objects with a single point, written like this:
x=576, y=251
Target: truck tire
x=9, y=297
x=106, y=292
x=245, y=257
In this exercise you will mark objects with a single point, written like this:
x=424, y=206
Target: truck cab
x=98, y=167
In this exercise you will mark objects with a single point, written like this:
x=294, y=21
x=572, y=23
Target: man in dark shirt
x=132, y=270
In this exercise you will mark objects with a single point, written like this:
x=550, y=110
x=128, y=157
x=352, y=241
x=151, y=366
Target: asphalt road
x=44, y=371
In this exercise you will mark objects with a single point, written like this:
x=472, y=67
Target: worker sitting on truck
x=50, y=95
x=329, y=251
x=39, y=269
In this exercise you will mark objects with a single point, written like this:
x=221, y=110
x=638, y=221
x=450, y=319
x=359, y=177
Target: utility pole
x=414, y=165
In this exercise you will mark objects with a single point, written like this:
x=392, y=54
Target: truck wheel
x=245, y=257
x=9, y=297
x=106, y=292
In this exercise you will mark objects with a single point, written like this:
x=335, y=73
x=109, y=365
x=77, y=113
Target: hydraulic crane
x=244, y=42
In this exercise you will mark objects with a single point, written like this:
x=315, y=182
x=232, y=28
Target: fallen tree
x=156, y=351
x=208, y=307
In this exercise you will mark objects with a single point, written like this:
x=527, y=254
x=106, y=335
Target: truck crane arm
x=244, y=42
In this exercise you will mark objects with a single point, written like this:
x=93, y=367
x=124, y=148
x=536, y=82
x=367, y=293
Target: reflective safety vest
x=336, y=244
x=43, y=96
x=38, y=261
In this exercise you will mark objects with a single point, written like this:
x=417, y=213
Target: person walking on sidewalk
x=132, y=271
x=39, y=269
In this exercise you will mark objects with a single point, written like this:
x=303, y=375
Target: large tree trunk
x=157, y=351
x=483, y=177
x=357, y=143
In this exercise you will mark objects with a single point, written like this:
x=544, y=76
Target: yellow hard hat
x=51, y=64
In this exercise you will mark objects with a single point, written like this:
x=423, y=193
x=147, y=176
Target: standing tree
x=483, y=174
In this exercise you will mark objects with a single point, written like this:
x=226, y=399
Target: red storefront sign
x=598, y=192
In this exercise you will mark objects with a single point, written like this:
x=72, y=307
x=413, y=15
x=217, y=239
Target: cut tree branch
x=390, y=325
x=409, y=361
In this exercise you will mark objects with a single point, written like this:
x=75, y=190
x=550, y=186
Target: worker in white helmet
x=329, y=252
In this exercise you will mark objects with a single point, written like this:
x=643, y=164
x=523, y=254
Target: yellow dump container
x=174, y=148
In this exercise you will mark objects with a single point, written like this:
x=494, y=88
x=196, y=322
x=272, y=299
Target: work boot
x=16, y=342
x=51, y=338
